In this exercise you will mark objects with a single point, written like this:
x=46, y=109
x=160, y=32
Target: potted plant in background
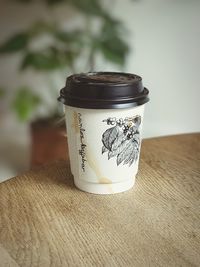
x=68, y=50
x=15, y=134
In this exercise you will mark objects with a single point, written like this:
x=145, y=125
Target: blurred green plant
x=24, y=103
x=68, y=46
x=2, y=93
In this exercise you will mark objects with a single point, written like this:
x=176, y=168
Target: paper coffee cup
x=104, y=116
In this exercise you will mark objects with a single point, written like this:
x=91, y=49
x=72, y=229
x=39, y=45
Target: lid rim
x=105, y=106
x=128, y=98
x=104, y=90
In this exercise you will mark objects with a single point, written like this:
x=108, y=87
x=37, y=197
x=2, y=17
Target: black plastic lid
x=104, y=90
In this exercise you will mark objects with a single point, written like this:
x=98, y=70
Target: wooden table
x=46, y=221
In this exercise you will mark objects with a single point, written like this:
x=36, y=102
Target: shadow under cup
x=104, y=116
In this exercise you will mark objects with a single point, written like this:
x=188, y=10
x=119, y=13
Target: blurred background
x=42, y=42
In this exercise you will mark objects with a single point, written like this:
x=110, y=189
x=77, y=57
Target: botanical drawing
x=122, y=140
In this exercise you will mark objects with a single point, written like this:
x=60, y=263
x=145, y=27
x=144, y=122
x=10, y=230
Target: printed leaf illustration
x=125, y=154
x=110, y=154
x=134, y=128
x=120, y=148
x=133, y=155
x=134, y=158
x=113, y=135
x=105, y=137
x=122, y=140
x=118, y=141
x=109, y=136
x=137, y=138
x=137, y=121
x=104, y=149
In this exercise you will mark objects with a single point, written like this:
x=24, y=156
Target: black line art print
x=122, y=139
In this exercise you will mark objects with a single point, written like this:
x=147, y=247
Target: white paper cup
x=104, y=147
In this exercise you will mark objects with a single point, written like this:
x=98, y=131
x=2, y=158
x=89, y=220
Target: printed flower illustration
x=122, y=140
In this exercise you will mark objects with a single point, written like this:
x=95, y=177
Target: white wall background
x=165, y=40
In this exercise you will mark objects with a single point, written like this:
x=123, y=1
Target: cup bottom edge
x=104, y=189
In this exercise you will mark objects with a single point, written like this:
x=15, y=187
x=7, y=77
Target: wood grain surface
x=46, y=221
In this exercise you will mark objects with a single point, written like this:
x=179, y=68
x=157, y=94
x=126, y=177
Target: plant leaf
x=39, y=61
x=2, y=92
x=110, y=43
x=114, y=50
x=16, y=43
x=90, y=7
x=50, y=59
x=53, y=2
x=71, y=37
x=25, y=103
x=42, y=27
x=25, y=1
x=75, y=40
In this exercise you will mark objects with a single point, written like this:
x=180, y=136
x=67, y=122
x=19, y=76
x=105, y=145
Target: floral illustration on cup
x=122, y=139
